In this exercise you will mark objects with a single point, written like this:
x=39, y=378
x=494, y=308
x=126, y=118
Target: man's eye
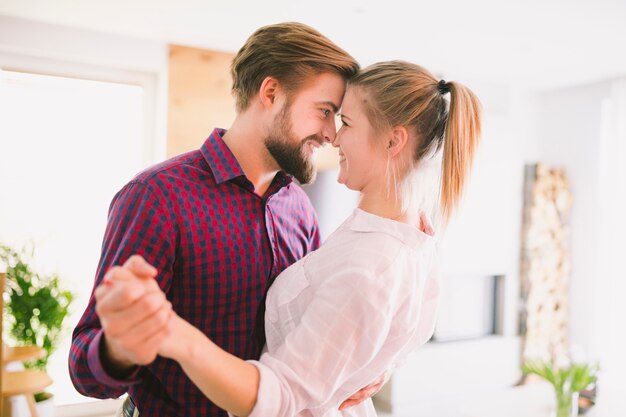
x=325, y=112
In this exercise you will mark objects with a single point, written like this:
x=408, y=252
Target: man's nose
x=330, y=137
x=330, y=132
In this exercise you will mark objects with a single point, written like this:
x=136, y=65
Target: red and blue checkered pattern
x=217, y=246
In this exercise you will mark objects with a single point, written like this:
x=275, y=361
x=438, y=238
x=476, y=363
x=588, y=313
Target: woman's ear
x=269, y=91
x=397, y=140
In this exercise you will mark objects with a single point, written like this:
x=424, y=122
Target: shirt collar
x=411, y=235
x=219, y=157
x=223, y=163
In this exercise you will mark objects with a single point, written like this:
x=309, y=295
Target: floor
x=106, y=408
x=99, y=408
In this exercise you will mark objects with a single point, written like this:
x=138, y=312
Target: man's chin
x=305, y=178
x=295, y=162
x=304, y=172
x=311, y=178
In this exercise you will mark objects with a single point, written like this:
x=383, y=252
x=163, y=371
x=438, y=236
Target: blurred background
x=93, y=92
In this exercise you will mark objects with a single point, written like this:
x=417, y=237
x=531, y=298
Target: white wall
x=610, y=309
x=333, y=202
x=484, y=238
x=570, y=135
x=582, y=129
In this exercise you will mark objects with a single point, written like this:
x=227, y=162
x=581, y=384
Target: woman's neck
x=383, y=205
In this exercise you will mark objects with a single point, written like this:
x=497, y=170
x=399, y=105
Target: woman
x=345, y=314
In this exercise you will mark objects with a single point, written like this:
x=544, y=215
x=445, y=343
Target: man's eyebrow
x=331, y=105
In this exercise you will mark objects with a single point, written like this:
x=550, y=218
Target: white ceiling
x=533, y=43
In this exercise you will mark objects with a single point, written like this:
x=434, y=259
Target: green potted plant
x=36, y=306
x=568, y=380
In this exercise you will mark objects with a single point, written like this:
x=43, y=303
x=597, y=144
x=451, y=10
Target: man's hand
x=134, y=315
x=366, y=392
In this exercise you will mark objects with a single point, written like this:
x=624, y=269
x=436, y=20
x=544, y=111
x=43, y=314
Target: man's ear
x=269, y=92
x=398, y=139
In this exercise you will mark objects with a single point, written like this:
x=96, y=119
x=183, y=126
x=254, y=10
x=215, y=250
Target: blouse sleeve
x=347, y=337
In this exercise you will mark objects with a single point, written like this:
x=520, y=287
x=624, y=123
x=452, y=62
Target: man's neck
x=245, y=141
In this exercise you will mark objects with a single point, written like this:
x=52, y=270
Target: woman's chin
x=344, y=182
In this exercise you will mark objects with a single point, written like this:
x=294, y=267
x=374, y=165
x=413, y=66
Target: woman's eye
x=344, y=123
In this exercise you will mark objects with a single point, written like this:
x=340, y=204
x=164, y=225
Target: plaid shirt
x=217, y=246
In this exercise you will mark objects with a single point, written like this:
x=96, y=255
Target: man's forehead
x=325, y=88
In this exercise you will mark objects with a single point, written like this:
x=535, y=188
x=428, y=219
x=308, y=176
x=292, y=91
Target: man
x=218, y=224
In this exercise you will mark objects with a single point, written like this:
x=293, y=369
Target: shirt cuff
x=269, y=398
x=100, y=374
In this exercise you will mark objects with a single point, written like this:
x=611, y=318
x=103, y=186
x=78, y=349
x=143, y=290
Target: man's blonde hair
x=290, y=52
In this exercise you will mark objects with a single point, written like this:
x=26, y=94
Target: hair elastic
x=443, y=87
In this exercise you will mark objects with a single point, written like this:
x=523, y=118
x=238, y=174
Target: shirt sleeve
x=347, y=337
x=315, y=239
x=139, y=222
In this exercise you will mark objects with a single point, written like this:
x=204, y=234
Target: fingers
x=347, y=404
x=138, y=265
x=155, y=341
x=120, y=290
x=119, y=297
x=142, y=344
x=135, y=318
x=361, y=395
x=350, y=403
x=424, y=225
x=134, y=335
x=353, y=400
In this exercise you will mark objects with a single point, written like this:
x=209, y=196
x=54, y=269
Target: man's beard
x=289, y=154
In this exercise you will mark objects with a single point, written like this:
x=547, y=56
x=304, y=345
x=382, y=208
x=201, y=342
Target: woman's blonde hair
x=290, y=52
x=398, y=93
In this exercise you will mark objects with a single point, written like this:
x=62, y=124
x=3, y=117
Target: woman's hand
x=176, y=344
x=366, y=392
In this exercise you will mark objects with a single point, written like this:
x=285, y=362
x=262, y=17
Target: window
x=66, y=146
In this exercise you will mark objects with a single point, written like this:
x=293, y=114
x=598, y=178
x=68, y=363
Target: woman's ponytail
x=460, y=142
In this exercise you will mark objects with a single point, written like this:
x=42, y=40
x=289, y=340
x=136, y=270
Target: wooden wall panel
x=199, y=96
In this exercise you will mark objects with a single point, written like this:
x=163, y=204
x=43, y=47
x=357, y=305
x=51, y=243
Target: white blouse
x=344, y=314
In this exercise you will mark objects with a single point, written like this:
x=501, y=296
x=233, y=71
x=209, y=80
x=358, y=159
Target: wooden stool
x=26, y=383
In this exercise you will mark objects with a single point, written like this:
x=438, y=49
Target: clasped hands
x=135, y=315
x=139, y=323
